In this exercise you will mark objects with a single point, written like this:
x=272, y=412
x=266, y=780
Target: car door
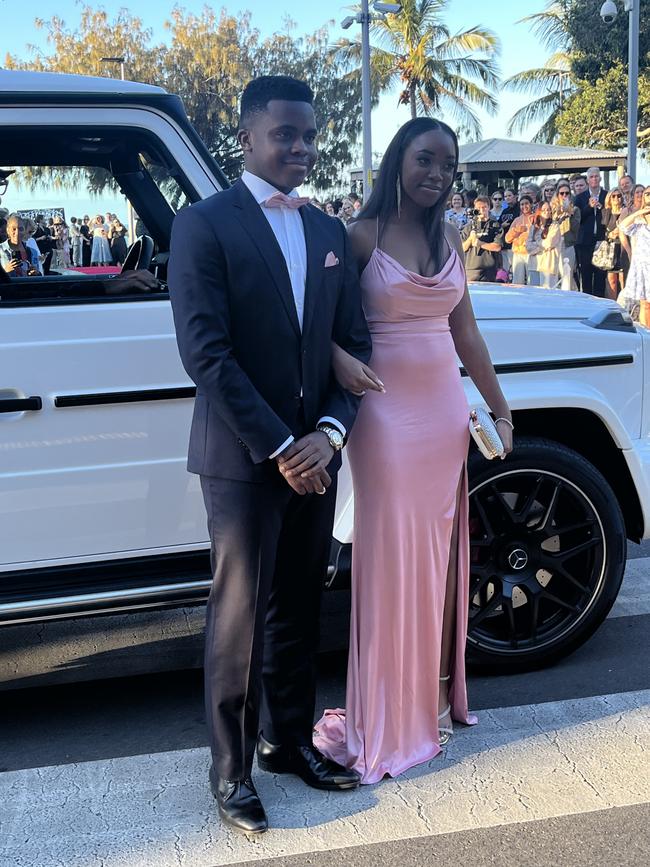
x=95, y=406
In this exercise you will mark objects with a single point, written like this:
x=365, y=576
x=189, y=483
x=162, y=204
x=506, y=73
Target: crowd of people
x=345, y=208
x=31, y=247
x=568, y=234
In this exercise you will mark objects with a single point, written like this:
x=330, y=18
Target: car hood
x=505, y=301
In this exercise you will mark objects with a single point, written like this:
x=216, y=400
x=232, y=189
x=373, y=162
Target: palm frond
x=484, y=70
x=533, y=112
x=534, y=80
x=469, y=91
x=549, y=26
x=474, y=39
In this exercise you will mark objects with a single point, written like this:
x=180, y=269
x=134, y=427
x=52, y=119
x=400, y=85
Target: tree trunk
x=414, y=112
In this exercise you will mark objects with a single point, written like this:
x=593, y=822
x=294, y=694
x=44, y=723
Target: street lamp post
x=364, y=18
x=632, y=8
x=608, y=12
x=119, y=60
x=365, y=100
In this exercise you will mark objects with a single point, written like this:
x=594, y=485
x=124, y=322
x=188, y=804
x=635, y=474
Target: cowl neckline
x=418, y=278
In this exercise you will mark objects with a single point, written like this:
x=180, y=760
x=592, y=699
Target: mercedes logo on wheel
x=518, y=559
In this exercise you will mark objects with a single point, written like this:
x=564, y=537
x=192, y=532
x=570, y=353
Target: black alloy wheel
x=547, y=555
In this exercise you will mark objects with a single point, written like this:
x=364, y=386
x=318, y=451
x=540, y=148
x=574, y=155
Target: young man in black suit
x=590, y=202
x=261, y=285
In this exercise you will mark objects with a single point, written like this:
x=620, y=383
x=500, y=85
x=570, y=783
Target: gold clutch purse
x=485, y=434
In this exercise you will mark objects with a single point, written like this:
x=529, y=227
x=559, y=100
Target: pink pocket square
x=331, y=260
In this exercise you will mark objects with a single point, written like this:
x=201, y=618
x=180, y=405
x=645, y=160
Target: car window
x=72, y=219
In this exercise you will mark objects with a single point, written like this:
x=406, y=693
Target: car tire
x=547, y=555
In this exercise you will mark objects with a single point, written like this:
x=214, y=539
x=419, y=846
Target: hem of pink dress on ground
x=330, y=739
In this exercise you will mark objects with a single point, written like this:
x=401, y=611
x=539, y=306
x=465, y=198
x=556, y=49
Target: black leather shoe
x=308, y=763
x=239, y=804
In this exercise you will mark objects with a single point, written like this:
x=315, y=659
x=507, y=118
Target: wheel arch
x=586, y=433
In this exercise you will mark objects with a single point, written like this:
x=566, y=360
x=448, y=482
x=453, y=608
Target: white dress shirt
x=286, y=224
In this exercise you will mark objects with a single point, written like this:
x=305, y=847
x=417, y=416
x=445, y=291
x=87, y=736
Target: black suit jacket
x=240, y=339
x=590, y=217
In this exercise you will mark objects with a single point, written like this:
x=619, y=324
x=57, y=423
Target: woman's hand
x=505, y=432
x=353, y=375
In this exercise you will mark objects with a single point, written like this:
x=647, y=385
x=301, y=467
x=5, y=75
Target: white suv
x=97, y=510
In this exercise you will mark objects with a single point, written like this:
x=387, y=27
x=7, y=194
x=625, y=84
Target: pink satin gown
x=408, y=451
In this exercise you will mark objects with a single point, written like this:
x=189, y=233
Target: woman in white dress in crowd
x=543, y=246
x=101, y=251
x=567, y=217
x=636, y=294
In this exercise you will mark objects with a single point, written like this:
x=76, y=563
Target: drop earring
x=399, y=197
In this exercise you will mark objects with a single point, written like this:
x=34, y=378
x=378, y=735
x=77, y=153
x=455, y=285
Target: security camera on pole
x=364, y=18
x=608, y=12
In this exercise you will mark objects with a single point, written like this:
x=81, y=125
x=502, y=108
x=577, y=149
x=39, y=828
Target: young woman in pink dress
x=408, y=453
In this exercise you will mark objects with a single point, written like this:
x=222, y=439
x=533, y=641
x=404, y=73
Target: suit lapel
x=315, y=265
x=261, y=234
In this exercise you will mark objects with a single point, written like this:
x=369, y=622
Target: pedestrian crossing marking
x=520, y=764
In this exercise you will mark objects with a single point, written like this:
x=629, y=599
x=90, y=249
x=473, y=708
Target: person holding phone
x=17, y=259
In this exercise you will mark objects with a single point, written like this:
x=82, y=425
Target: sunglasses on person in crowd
x=564, y=193
x=616, y=196
x=497, y=198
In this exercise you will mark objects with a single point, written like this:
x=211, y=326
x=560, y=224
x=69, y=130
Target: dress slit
x=460, y=505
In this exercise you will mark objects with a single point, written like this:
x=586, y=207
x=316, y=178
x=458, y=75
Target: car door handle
x=20, y=404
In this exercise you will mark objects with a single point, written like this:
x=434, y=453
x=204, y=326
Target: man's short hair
x=483, y=199
x=260, y=91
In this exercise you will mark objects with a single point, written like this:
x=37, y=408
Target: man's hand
x=132, y=281
x=311, y=456
x=316, y=484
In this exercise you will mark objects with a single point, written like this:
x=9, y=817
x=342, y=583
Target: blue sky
x=520, y=48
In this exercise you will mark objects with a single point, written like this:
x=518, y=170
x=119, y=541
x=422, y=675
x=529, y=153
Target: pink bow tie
x=281, y=200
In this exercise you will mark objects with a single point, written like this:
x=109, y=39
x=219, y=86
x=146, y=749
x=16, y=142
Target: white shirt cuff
x=284, y=445
x=327, y=419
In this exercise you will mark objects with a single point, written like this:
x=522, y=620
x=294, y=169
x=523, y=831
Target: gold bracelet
x=507, y=421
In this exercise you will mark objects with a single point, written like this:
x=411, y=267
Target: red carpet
x=99, y=269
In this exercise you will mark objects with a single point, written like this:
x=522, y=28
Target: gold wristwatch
x=333, y=434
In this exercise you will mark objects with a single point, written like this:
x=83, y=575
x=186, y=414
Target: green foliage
x=582, y=100
x=209, y=59
x=596, y=116
x=595, y=46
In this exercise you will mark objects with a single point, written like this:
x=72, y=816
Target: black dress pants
x=270, y=552
x=592, y=280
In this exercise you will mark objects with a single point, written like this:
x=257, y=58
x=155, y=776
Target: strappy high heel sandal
x=445, y=724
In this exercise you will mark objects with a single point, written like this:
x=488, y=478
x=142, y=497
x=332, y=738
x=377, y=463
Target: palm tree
x=554, y=80
x=438, y=72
